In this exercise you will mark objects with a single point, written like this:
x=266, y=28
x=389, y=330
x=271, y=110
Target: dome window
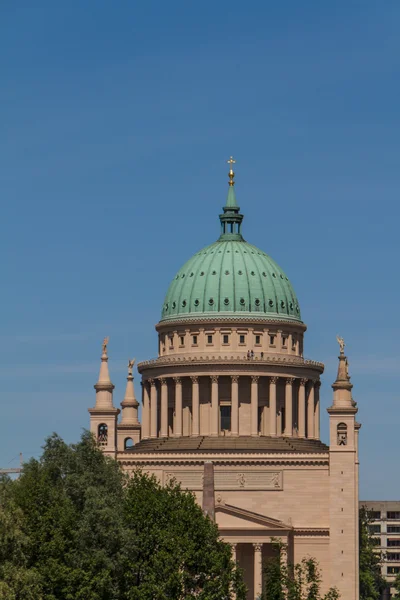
x=282, y=277
x=271, y=303
x=242, y=301
x=252, y=273
x=226, y=272
x=240, y=272
x=191, y=274
x=183, y=303
x=297, y=309
x=226, y=301
x=177, y=277
x=264, y=274
x=196, y=302
x=166, y=306
x=273, y=275
x=291, y=306
x=257, y=302
x=174, y=305
x=211, y=301
x=282, y=304
x=183, y=275
x=201, y=274
x=214, y=272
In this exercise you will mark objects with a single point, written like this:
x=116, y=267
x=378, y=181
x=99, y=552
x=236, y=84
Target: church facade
x=231, y=410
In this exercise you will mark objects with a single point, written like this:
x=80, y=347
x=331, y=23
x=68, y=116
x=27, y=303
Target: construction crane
x=13, y=470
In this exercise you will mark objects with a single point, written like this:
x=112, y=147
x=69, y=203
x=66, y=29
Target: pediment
x=228, y=516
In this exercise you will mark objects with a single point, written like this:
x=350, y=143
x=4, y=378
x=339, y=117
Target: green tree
x=372, y=583
x=75, y=527
x=301, y=581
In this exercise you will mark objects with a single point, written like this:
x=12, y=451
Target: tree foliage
x=75, y=527
x=301, y=581
x=372, y=583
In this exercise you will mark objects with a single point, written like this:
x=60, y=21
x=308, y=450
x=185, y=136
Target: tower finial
x=341, y=343
x=231, y=162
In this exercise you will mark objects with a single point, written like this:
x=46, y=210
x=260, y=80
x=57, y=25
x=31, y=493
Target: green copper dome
x=232, y=278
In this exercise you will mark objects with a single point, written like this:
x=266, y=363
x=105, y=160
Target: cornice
x=252, y=364
x=311, y=532
x=159, y=459
x=250, y=318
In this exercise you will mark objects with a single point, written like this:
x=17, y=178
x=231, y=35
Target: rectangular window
x=393, y=514
x=171, y=342
x=258, y=340
x=182, y=340
x=272, y=340
x=393, y=570
x=375, y=514
x=284, y=338
x=225, y=339
x=393, y=556
x=392, y=543
x=393, y=529
x=194, y=338
x=209, y=339
x=374, y=528
x=225, y=418
x=242, y=339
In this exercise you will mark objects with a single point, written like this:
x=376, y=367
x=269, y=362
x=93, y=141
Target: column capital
x=162, y=380
x=234, y=546
x=152, y=382
x=273, y=379
x=317, y=383
x=214, y=378
x=303, y=381
x=235, y=378
x=290, y=380
x=257, y=547
x=255, y=378
x=194, y=378
x=177, y=380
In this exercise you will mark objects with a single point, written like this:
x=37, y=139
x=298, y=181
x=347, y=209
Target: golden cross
x=231, y=161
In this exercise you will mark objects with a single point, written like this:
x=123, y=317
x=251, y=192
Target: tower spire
x=129, y=404
x=342, y=387
x=231, y=219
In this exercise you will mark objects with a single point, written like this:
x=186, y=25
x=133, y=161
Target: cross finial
x=231, y=162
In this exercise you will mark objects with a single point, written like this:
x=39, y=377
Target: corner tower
x=343, y=480
x=103, y=417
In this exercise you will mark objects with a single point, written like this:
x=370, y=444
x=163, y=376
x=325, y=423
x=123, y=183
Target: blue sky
x=116, y=123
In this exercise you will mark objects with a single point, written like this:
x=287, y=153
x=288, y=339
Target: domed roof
x=230, y=278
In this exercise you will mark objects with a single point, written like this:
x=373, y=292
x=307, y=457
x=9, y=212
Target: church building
x=231, y=410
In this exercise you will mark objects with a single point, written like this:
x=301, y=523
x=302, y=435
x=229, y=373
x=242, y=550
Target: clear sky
x=116, y=122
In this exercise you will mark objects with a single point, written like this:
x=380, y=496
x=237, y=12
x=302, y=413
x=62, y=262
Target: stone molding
x=201, y=360
x=237, y=318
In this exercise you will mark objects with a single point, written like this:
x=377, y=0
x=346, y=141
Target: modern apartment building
x=386, y=527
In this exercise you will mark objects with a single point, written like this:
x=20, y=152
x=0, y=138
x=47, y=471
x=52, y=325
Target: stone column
x=272, y=405
x=153, y=408
x=302, y=408
x=195, y=406
x=235, y=404
x=164, y=407
x=234, y=546
x=289, y=407
x=317, y=410
x=254, y=404
x=145, y=411
x=214, y=429
x=310, y=411
x=178, y=407
x=257, y=570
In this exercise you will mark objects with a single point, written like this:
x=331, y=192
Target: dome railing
x=281, y=360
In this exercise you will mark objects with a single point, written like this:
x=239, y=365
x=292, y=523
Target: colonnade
x=258, y=563
x=297, y=415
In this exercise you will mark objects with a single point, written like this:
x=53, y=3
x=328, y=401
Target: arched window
x=128, y=443
x=342, y=434
x=102, y=434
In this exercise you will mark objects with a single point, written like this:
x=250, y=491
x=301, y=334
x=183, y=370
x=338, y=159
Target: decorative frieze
x=228, y=480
